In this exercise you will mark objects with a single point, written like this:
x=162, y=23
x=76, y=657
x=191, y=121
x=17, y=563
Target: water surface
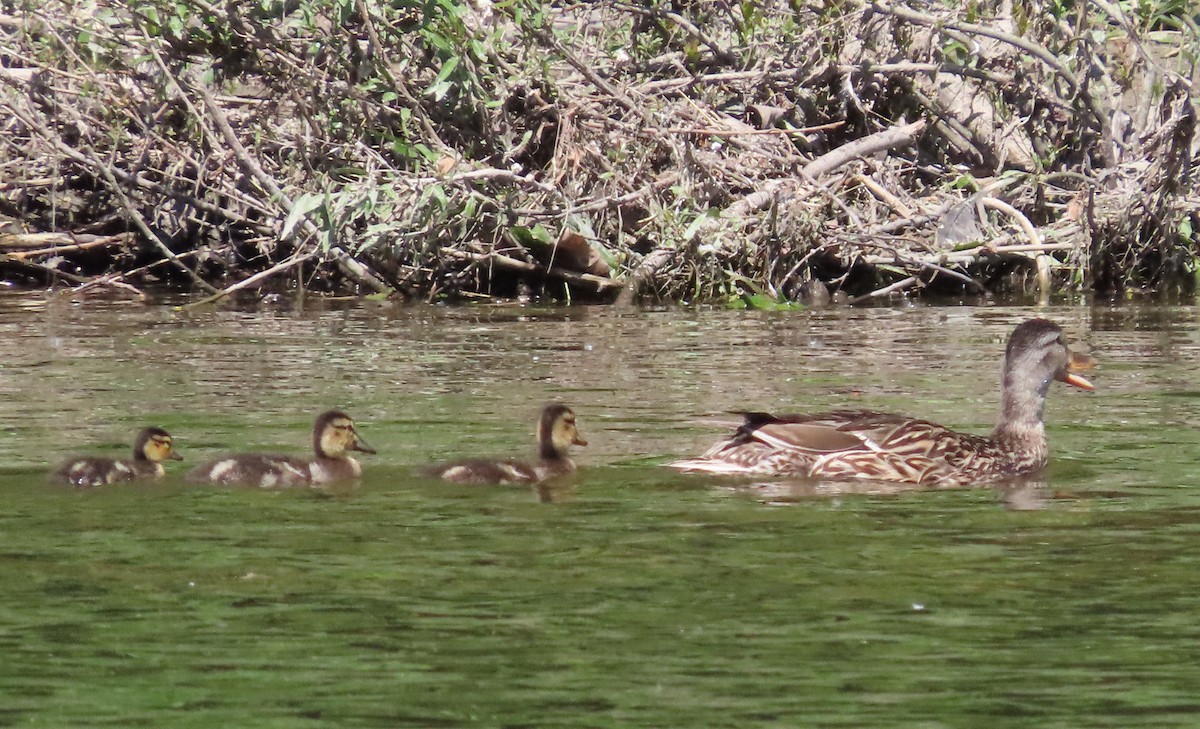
x=632, y=597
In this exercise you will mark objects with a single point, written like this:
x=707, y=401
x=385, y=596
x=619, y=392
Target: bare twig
x=250, y=281
x=600, y=283
x=878, y=142
x=900, y=285
x=754, y=132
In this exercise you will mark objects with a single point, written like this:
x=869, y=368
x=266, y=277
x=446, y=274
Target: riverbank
x=761, y=154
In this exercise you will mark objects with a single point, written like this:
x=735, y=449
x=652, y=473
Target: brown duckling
x=334, y=436
x=556, y=433
x=152, y=447
x=848, y=444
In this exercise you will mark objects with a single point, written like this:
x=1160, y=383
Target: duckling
x=556, y=434
x=152, y=447
x=334, y=436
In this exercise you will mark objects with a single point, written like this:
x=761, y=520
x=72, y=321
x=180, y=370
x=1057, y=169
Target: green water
x=632, y=597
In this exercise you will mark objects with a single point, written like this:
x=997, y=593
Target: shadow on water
x=626, y=595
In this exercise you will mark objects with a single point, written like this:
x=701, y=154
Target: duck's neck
x=329, y=458
x=1021, y=427
x=548, y=452
x=142, y=464
x=551, y=467
x=326, y=468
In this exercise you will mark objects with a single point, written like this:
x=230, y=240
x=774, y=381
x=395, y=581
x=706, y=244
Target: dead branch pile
x=691, y=151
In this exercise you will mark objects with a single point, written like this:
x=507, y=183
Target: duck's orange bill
x=579, y=441
x=1079, y=363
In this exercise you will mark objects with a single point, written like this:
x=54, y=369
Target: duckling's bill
x=360, y=444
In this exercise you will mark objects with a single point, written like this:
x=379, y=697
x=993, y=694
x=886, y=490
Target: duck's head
x=155, y=445
x=334, y=436
x=557, y=431
x=1038, y=353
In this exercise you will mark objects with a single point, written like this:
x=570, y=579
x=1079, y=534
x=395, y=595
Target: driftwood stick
x=117, y=279
x=1039, y=248
x=614, y=202
x=751, y=132
x=972, y=283
x=883, y=194
x=877, y=142
x=804, y=77
x=1022, y=222
x=107, y=240
x=877, y=293
x=15, y=262
x=644, y=275
x=53, y=241
x=252, y=280
x=499, y=175
x=969, y=255
x=496, y=259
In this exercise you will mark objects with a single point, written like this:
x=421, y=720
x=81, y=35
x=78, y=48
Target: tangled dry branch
x=764, y=151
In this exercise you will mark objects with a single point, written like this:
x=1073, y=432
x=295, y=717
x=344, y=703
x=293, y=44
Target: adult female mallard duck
x=152, y=447
x=870, y=445
x=334, y=436
x=556, y=433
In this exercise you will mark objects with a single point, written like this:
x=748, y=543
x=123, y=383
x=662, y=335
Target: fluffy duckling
x=152, y=447
x=556, y=434
x=334, y=436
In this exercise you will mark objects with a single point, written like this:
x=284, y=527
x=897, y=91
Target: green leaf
x=447, y=69
x=535, y=236
x=426, y=152
x=436, y=193
x=303, y=205
x=709, y=214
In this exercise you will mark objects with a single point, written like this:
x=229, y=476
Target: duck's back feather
x=502, y=472
x=90, y=471
x=848, y=444
x=253, y=469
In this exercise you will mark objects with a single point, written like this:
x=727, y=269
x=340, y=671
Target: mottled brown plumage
x=152, y=447
x=334, y=436
x=557, y=432
x=864, y=444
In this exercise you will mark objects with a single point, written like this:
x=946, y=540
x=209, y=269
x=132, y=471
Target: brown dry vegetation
x=676, y=149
